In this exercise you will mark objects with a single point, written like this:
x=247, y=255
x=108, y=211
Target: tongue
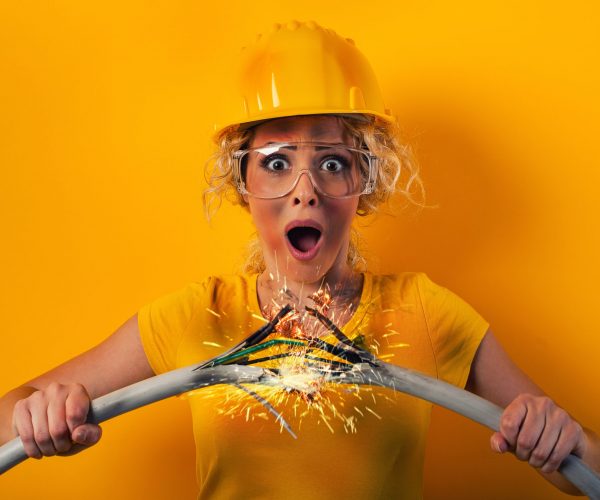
x=306, y=241
x=304, y=238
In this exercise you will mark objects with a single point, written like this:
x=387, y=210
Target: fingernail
x=500, y=447
x=82, y=436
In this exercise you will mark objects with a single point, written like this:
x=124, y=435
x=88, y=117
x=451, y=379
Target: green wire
x=259, y=347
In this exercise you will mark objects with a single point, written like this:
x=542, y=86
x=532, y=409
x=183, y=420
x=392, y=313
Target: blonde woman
x=312, y=148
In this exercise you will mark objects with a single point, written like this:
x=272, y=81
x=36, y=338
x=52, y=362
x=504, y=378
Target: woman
x=313, y=146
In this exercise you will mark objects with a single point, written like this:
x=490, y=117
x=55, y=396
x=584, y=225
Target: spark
x=301, y=368
x=213, y=312
x=371, y=411
x=324, y=418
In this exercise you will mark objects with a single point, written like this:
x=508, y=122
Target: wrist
x=7, y=404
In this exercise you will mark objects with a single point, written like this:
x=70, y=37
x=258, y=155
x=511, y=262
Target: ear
x=245, y=198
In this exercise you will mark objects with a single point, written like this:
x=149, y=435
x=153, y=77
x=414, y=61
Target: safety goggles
x=335, y=170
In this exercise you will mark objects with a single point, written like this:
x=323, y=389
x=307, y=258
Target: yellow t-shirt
x=242, y=452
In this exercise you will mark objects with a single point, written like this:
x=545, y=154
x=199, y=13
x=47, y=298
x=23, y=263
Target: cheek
x=265, y=215
x=341, y=213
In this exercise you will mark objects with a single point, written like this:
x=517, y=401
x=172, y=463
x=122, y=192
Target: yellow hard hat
x=301, y=68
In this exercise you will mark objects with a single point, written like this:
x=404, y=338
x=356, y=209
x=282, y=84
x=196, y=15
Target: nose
x=304, y=192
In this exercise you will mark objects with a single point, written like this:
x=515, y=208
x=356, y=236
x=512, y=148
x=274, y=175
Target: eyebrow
x=318, y=148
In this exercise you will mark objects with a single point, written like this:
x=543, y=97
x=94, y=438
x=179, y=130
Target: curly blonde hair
x=398, y=171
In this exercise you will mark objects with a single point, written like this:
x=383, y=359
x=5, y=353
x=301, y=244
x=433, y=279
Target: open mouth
x=304, y=238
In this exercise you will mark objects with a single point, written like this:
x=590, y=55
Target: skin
x=49, y=411
x=270, y=217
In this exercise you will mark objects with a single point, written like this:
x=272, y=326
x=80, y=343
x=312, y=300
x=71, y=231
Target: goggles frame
x=240, y=184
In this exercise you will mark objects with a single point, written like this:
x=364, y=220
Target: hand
x=538, y=431
x=52, y=421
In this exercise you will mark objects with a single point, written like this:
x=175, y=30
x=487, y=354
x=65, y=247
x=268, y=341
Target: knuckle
x=538, y=456
x=510, y=423
x=58, y=430
x=63, y=445
x=76, y=413
x=521, y=455
x=31, y=450
x=36, y=397
x=41, y=438
x=545, y=404
x=524, y=397
x=552, y=463
x=20, y=412
x=525, y=443
x=55, y=389
x=26, y=435
x=77, y=388
x=563, y=417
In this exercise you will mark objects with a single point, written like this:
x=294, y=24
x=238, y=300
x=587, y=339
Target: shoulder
x=222, y=289
x=404, y=284
x=430, y=298
x=214, y=289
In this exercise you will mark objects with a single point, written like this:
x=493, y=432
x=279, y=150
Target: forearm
x=591, y=457
x=7, y=404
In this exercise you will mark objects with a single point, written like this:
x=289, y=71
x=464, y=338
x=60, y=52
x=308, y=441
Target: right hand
x=52, y=421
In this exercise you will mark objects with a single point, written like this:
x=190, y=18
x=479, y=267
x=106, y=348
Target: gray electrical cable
x=384, y=375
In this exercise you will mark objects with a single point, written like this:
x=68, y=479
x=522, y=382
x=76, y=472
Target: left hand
x=538, y=431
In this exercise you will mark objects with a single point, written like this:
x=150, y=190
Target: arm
x=47, y=410
x=532, y=426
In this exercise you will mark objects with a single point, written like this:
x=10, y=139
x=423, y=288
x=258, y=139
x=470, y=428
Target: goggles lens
x=336, y=170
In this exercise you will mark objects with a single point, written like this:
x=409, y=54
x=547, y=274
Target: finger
x=76, y=407
x=511, y=420
x=41, y=434
x=24, y=428
x=57, y=425
x=565, y=443
x=75, y=448
x=530, y=433
x=87, y=434
x=498, y=443
x=547, y=442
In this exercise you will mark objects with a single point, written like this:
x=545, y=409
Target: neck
x=343, y=285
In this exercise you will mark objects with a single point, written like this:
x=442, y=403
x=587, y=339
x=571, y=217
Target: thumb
x=498, y=443
x=86, y=434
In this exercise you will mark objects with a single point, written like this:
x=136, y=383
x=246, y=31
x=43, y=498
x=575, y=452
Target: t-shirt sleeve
x=163, y=322
x=455, y=329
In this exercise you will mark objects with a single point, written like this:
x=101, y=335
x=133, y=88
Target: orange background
x=106, y=110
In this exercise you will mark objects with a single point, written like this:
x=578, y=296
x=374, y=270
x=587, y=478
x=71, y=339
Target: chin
x=305, y=272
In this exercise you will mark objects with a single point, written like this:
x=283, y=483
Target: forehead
x=317, y=128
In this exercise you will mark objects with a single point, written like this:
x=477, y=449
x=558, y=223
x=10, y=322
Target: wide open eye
x=275, y=163
x=334, y=164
